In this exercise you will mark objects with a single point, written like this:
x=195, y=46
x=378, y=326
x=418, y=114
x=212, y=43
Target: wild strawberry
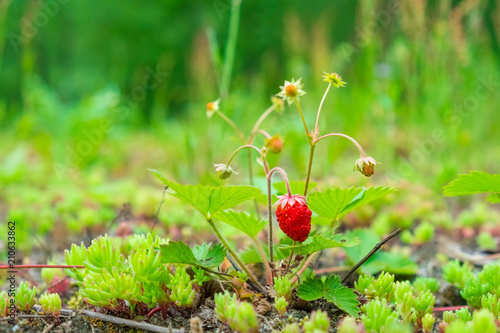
x=294, y=217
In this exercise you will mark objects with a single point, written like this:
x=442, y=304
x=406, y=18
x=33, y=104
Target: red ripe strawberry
x=294, y=217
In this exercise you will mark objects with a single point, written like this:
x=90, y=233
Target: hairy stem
x=309, y=167
x=302, y=116
x=290, y=259
x=269, y=273
x=234, y=255
x=283, y=173
x=233, y=125
x=361, y=151
x=316, y=127
x=240, y=148
x=270, y=216
x=259, y=122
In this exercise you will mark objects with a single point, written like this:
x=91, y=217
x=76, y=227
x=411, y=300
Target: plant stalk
x=309, y=168
x=234, y=255
x=269, y=273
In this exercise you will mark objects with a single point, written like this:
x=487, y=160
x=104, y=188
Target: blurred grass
x=421, y=97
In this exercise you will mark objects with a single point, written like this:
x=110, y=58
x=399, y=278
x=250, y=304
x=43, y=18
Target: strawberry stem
x=240, y=148
x=361, y=151
x=316, y=128
x=285, y=178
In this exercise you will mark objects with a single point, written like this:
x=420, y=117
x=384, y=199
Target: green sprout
x=382, y=287
x=106, y=289
x=25, y=297
x=319, y=323
x=486, y=242
x=462, y=314
x=363, y=283
x=424, y=304
x=147, y=265
x=422, y=234
x=486, y=281
x=199, y=275
x=281, y=304
x=143, y=241
x=103, y=254
x=484, y=321
x=422, y=284
x=428, y=322
x=181, y=286
x=457, y=274
x=245, y=319
x=283, y=287
x=492, y=303
x=348, y=325
x=376, y=315
x=240, y=316
x=223, y=305
x=404, y=300
x=154, y=294
x=241, y=277
x=4, y=303
x=76, y=256
x=51, y=303
x=291, y=328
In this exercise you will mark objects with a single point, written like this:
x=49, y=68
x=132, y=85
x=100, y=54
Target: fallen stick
x=371, y=253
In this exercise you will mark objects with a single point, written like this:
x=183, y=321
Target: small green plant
x=377, y=315
x=457, y=274
x=25, y=297
x=486, y=242
x=4, y=303
x=283, y=287
x=281, y=304
x=382, y=287
x=492, y=303
x=364, y=282
x=428, y=322
x=51, y=303
x=422, y=234
x=462, y=314
x=182, y=288
x=486, y=281
x=200, y=276
x=483, y=321
x=240, y=316
x=422, y=284
x=348, y=325
x=291, y=328
x=319, y=323
x=405, y=300
x=424, y=304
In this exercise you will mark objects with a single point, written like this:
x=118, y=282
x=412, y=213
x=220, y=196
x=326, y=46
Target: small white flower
x=212, y=107
x=291, y=91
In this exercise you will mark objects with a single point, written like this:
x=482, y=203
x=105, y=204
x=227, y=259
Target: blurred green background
x=94, y=93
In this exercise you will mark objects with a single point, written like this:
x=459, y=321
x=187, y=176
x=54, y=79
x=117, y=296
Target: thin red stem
x=39, y=266
x=361, y=151
x=450, y=308
x=283, y=173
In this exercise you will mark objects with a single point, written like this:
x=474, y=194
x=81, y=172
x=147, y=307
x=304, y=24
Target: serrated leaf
x=494, y=198
x=245, y=222
x=209, y=200
x=296, y=187
x=335, y=203
x=177, y=252
x=332, y=290
x=474, y=182
x=321, y=242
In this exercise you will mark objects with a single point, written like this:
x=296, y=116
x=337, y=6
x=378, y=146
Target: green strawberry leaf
x=245, y=222
x=494, y=198
x=204, y=255
x=335, y=203
x=209, y=200
x=321, y=242
x=474, y=182
x=332, y=290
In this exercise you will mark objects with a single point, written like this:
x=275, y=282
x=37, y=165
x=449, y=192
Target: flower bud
x=366, y=165
x=223, y=171
x=274, y=144
x=278, y=103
